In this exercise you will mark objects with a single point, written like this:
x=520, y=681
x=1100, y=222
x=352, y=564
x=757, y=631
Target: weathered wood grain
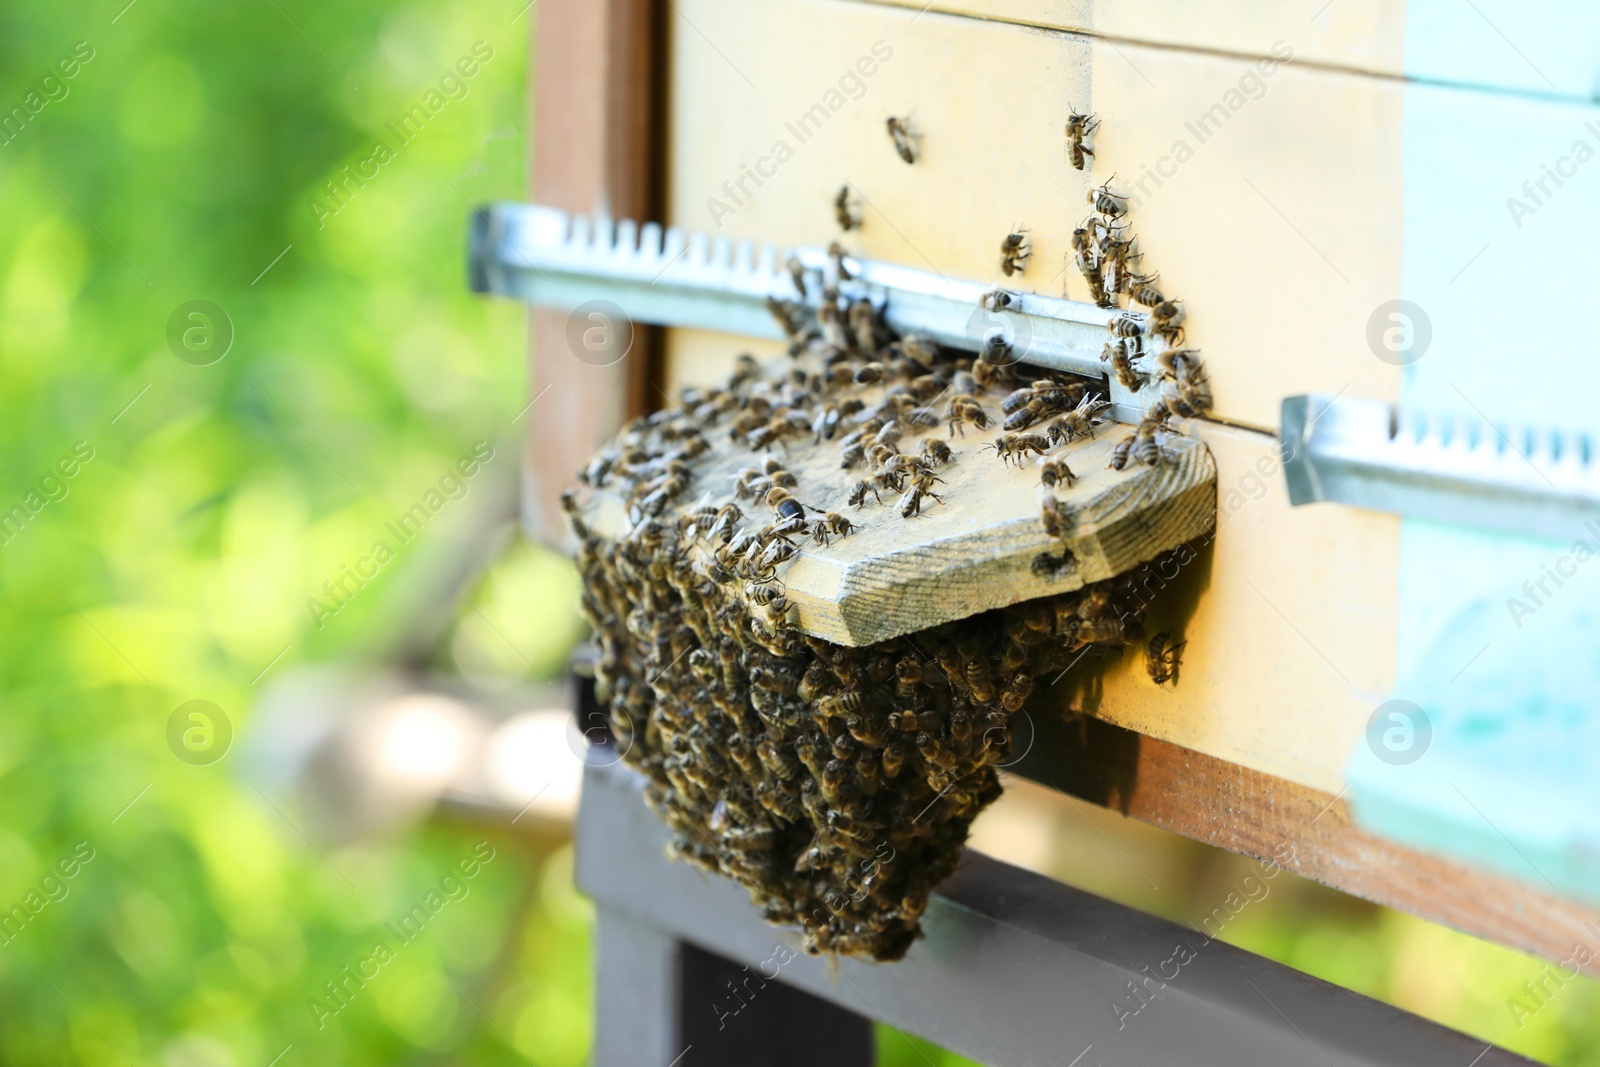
x=1307, y=831
x=976, y=551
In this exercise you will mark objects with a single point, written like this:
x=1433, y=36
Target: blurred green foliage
x=184, y=159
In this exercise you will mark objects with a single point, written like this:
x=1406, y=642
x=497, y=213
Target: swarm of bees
x=837, y=784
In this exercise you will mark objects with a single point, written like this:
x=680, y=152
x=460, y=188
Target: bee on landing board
x=921, y=486
x=1017, y=446
x=1147, y=447
x=831, y=525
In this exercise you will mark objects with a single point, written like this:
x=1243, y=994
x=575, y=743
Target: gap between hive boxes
x=982, y=549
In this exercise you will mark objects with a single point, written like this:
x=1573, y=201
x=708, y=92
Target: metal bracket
x=542, y=255
x=1443, y=467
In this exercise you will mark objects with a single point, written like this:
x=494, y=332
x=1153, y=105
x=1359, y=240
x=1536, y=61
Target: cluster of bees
x=1143, y=345
x=836, y=783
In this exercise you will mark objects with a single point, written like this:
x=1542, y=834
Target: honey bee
x=963, y=409
x=1166, y=320
x=1192, y=382
x=1089, y=266
x=858, y=494
x=1142, y=290
x=909, y=672
x=836, y=256
x=864, y=325
x=851, y=454
x=797, y=274
x=890, y=435
x=1116, y=252
x=745, y=367
x=1121, y=453
x=1016, y=692
x=894, y=758
x=832, y=524
x=783, y=528
x=867, y=729
x=764, y=593
x=789, y=315
x=921, y=485
x=880, y=454
x=899, y=464
x=1147, y=448
x=825, y=423
x=1017, y=446
x=841, y=705
x=997, y=299
x=783, y=502
x=844, y=212
x=936, y=452
x=994, y=353
x=1050, y=513
x=914, y=721
x=776, y=552
x=923, y=350
x=1079, y=422
x=1111, y=205
x=934, y=754
x=1126, y=326
x=904, y=139
x=1014, y=253
x=1079, y=126
x=1056, y=472
x=1121, y=360
x=1162, y=661
x=1023, y=418
x=869, y=373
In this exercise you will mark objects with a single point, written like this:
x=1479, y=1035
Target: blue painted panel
x=1502, y=252
x=1540, y=46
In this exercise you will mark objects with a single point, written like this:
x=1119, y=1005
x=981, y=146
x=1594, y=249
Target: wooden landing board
x=1307, y=831
x=976, y=551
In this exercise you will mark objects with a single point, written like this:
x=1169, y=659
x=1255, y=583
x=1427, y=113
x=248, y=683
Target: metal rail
x=1442, y=467
x=1015, y=970
x=542, y=255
